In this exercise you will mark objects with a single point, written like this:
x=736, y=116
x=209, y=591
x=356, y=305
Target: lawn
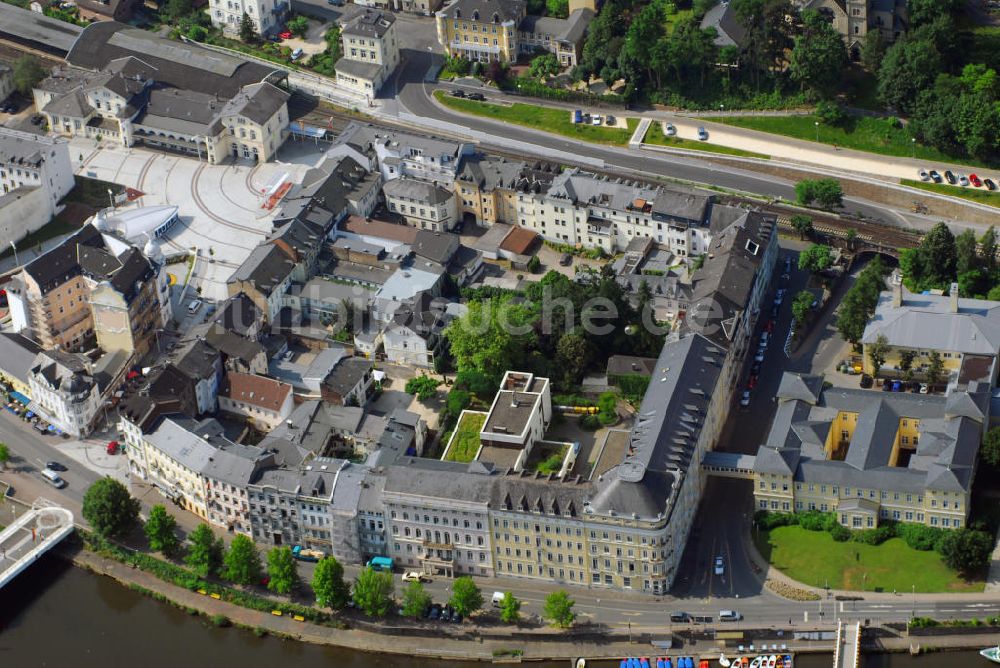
x=981, y=195
x=875, y=135
x=547, y=458
x=814, y=558
x=655, y=136
x=540, y=118
x=465, y=442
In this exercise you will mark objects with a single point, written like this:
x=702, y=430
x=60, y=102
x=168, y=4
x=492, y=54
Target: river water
x=55, y=615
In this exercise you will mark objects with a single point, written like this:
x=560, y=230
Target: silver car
x=702, y=134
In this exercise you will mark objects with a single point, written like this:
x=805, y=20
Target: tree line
x=943, y=258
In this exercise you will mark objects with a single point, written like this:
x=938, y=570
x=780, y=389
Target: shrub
x=840, y=533
x=590, y=422
x=814, y=520
x=875, y=536
x=920, y=537
x=767, y=521
x=221, y=621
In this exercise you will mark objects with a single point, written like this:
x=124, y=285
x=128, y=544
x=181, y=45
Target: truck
x=384, y=564
x=307, y=554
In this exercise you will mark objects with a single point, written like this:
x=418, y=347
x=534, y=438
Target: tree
x=282, y=573
x=828, y=193
x=205, y=554
x=909, y=66
x=544, y=65
x=491, y=336
x=298, y=25
x=801, y=223
x=465, y=596
x=4, y=455
x=510, y=608
x=424, y=387
x=819, y=56
x=373, y=592
x=110, y=509
x=801, y=306
x=248, y=31
x=557, y=8
x=574, y=354
x=872, y=50
x=178, y=9
x=415, y=600
x=242, y=561
x=197, y=33
x=27, y=72
x=937, y=256
x=935, y=368
x=877, y=352
x=966, y=550
x=990, y=449
x=328, y=584
x=559, y=609
x=906, y=358
x=816, y=258
x=988, y=250
x=852, y=238
x=852, y=318
x=534, y=264
x=161, y=530
x=966, y=256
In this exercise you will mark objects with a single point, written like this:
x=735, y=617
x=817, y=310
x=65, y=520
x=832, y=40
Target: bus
x=380, y=564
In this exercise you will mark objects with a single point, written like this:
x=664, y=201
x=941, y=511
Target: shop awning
x=20, y=398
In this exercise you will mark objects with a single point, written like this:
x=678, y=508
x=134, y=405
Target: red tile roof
x=519, y=240
x=265, y=393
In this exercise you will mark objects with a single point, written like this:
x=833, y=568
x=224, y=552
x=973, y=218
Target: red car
x=975, y=180
x=770, y=327
x=752, y=383
x=113, y=448
x=287, y=34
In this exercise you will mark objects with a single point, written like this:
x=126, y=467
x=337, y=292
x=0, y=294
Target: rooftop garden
x=465, y=439
x=547, y=458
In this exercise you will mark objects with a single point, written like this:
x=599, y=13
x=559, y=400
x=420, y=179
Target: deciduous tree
x=416, y=600
x=248, y=31
x=161, y=528
x=510, y=608
x=204, y=556
x=559, y=609
x=877, y=352
x=466, y=597
x=424, y=387
x=816, y=258
x=27, y=72
x=801, y=306
x=110, y=509
x=373, y=592
x=990, y=450
x=242, y=561
x=935, y=368
x=819, y=56
x=328, y=584
x=966, y=550
x=282, y=571
x=802, y=224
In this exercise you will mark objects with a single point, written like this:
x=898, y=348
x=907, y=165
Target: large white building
x=35, y=173
x=267, y=15
x=63, y=386
x=371, y=51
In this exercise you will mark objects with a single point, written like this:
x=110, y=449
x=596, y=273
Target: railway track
x=12, y=51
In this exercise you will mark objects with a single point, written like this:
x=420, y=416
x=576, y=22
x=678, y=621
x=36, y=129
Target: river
x=56, y=615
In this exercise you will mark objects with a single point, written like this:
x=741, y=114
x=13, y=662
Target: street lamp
x=16, y=263
x=111, y=198
x=816, y=123
x=913, y=146
x=913, y=610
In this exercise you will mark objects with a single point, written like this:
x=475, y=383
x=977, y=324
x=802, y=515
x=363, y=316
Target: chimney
x=953, y=293
x=897, y=289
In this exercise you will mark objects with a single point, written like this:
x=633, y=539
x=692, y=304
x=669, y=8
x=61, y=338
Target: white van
x=194, y=306
x=296, y=54
x=497, y=598
x=729, y=616
x=53, y=478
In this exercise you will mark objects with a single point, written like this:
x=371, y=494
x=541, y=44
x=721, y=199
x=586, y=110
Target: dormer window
x=475, y=15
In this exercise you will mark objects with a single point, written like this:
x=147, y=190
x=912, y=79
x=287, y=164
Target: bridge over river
x=33, y=534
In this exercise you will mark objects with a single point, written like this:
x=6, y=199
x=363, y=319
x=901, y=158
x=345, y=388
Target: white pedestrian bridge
x=33, y=534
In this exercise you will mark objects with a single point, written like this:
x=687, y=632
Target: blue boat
x=659, y=663
x=623, y=664
x=667, y=663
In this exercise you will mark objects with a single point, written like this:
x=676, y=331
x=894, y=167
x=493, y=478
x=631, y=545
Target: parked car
x=949, y=177
x=37, y=119
x=963, y=180
x=775, y=310
x=565, y=259
x=415, y=576
x=476, y=97
x=935, y=176
x=866, y=381
x=755, y=369
x=729, y=616
x=457, y=93
x=680, y=617
x=296, y=54
x=924, y=176
x=720, y=567
x=577, y=116
x=285, y=34
x=609, y=120
x=886, y=384
x=752, y=382
x=975, y=180
x=595, y=119
x=990, y=185
x=769, y=327
x=702, y=134
x=335, y=3
x=897, y=386
x=759, y=357
x=456, y=617
x=670, y=130
x=745, y=398
x=435, y=612
x=445, y=614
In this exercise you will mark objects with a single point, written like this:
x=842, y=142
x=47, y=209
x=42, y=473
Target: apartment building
x=561, y=37
x=401, y=154
x=872, y=456
x=132, y=87
x=517, y=419
x=481, y=30
x=92, y=286
x=416, y=333
x=17, y=357
x=422, y=204
x=35, y=174
x=438, y=517
x=854, y=19
x=226, y=476
x=264, y=402
x=965, y=333
x=264, y=278
x=268, y=16
x=487, y=185
x=371, y=51
x=64, y=390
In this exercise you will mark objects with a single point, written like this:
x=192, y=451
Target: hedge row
x=917, y=536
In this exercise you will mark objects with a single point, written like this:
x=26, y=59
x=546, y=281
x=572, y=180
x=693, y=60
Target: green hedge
x=916, y=536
